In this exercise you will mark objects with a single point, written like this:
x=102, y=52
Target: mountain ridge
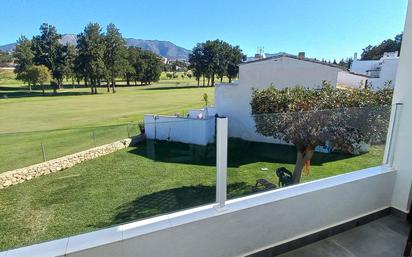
x=165, y=49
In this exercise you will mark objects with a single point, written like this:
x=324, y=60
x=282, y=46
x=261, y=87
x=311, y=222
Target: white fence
x=178, y=129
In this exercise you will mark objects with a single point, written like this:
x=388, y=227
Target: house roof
x=357, y=74
x=280, y=55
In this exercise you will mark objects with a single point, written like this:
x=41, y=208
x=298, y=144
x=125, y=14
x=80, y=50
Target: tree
x=308, y=118
x=136, y=64
x=196, y=61
x=152, y=67
x=23, y=56
x=49, y=52
x=5, y=58
x=90, y=59
x=38, y=74
x=70, y=63
x=115, y=54
x=236, y=56
x=376, y=52
x=215, y=58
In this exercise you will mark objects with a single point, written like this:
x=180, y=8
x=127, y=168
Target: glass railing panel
x=270, y=151
x=154, y=176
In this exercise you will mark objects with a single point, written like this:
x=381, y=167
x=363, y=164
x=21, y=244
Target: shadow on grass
x=240, y=152
x=22, y=94
x=173, y=87
x=168, y=201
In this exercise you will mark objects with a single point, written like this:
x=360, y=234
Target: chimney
x=301, y=55
x=355, y=56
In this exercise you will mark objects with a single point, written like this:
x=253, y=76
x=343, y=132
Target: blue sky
x=322, y=28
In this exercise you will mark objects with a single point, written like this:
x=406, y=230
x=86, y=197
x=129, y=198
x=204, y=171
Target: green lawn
x=131, y=184
x=65, y=123
x=144, y=181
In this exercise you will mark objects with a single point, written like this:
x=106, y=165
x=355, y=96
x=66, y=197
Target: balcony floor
x=384, y=237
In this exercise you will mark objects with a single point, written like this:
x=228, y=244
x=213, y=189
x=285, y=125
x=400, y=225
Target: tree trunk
x=42, y=88
x=230, y=79
x=203, y=80
x=113, y=85
x=108, y=86
x=128, y=81
x=30, y=87
x=198, y=82
x=302, y=156
x=213, y=80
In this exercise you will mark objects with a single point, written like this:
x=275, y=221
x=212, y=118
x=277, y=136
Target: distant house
x=282, y=70
x=381, y=72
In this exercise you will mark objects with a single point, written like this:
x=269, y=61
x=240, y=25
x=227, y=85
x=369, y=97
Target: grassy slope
x=76, y=108
x=133, y=184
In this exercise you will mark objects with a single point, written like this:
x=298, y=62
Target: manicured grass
x=145, y=181
x=66, y=121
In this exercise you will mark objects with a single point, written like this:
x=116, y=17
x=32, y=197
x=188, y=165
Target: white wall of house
x=233, y=100
x=286, y=72
x=350, y=80
x=388, y=73
x=387, y=67
x=177, y=129
x=403, y=136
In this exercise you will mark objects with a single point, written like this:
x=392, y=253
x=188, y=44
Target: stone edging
x=21, y=175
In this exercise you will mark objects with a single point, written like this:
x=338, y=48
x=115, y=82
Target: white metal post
x=393, y=127
x=221, y=161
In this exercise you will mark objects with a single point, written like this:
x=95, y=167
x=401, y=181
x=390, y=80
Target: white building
x=197, y=128
x=233, y=100
x=381, y=72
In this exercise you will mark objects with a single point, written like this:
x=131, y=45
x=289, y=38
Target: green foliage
x=215, y=58
x=5, y=58
x=376, y=52
x=343, y=119
x=23, y=58
x=70, y=61
x=49, y=52
x=91, y=50
x=205, y=99
x=115, y=55
x=152, y=67
x=38, y=75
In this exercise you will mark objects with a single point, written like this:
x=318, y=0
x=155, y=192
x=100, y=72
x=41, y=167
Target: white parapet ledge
x=122, y=232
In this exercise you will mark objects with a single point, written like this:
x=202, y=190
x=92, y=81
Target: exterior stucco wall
x=233, y=100
x=347, y=79
x=402, y=141
x=185, y=130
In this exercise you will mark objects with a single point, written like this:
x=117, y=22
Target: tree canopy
x=215, y=58
x=23, y=58
x=376, y=52
x=38, y=75
x=343, y=119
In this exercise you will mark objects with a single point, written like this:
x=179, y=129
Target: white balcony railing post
x=392, y=130
x=221, y=161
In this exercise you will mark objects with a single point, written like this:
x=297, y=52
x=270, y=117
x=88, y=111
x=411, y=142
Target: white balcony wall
x=176, y=129
x=246, y=225
x=403, y=137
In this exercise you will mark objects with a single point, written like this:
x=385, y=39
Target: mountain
x=8, y=47
x=163, y=48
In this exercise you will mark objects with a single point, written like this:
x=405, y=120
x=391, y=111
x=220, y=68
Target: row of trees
x=5, y=58
x=97, y=58
x=215, y=59
x=376, y=52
